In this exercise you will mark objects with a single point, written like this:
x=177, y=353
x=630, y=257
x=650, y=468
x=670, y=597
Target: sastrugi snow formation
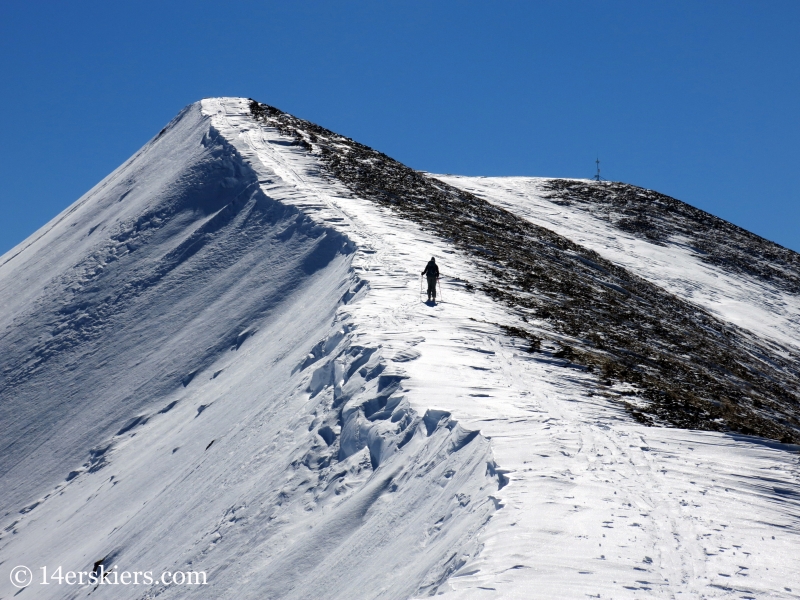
x=218, y=361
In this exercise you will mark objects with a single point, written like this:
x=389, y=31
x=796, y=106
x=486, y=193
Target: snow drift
x=217, y=360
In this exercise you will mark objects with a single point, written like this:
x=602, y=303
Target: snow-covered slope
x=218, y=361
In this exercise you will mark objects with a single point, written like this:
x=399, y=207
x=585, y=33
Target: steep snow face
x=182, y=390
x=107, y=302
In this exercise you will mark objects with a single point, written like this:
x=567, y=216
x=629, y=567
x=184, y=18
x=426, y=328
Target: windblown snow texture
x=178, y=390
x=689, y=368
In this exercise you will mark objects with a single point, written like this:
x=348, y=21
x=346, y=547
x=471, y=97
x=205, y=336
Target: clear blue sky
x=696, y=99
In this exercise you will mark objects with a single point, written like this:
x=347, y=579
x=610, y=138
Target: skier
x=432, y=271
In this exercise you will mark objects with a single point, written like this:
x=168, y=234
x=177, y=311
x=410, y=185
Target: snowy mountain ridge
x=218, y=359
x=690, y=368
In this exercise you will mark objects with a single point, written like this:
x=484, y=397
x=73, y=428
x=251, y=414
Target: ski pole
x=441, y=296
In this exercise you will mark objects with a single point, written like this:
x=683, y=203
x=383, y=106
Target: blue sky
x=696, y=99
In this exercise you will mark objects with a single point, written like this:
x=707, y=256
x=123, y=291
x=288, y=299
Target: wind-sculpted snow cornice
x=686, y=368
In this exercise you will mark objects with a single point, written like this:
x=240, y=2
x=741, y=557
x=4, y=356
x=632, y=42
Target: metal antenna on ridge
x=597, y=175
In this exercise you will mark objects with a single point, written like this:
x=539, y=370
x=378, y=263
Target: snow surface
x=277, y=407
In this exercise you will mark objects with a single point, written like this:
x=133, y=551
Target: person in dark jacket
x=432, y=271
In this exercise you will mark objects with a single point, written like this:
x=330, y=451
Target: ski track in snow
x=595, y=504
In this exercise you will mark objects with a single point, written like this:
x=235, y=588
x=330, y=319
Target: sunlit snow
x=219, y=360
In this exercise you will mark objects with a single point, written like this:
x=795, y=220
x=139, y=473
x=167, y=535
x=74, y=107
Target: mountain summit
x=218, y=360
